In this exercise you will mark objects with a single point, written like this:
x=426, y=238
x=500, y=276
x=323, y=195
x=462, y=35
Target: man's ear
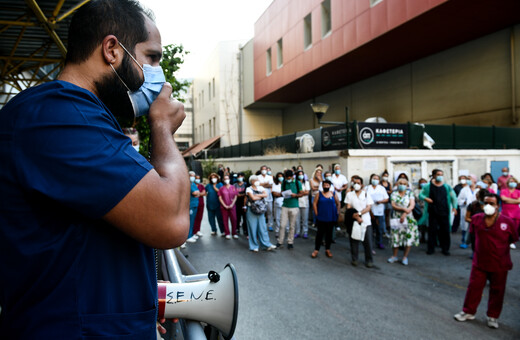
x=112, y=53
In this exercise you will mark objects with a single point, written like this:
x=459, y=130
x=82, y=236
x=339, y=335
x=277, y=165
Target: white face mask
x=357, y=186
x=226, y=181
x=136, y=147
x=263, y=172
x=213, y=180
x=256, y=184
x=489, y=209
x=463, y=181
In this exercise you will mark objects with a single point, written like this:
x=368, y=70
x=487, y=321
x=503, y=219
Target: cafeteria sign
x=382, y=136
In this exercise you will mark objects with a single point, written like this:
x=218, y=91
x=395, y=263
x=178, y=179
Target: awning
x=197, y=148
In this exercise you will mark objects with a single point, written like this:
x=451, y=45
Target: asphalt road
x=285, y=294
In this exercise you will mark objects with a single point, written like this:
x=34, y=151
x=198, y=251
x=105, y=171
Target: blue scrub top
x=65, y=272
x=194, y=201
x=212, y=201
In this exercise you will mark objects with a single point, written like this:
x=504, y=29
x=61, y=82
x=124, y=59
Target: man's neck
x=490, y=220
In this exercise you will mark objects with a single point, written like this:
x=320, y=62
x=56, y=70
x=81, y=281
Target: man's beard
x=114, y=94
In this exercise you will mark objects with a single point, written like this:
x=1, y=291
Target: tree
x=172, y=59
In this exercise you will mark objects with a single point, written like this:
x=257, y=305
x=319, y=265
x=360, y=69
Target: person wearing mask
x=315, y=182
x=457, y=188
x=488, y=179
x=240, y=187
x=510, y=202
x=269, y=171
x=440, y=201
x=258, y=235
x=302, y=224
x=465, y=196
x=494, y=232
x=407, y=233
x=300, y=168
x=266, y=181
x=227, y=196
x=380, y=197
x=385, y=183
x=81, y=210
x=194, y=204
x=220, y=172
x=278, y=201
x=200, y=209
x=422, y=221
x=502, y=180
x=362, y=203
x=326, y=209
x=133, y=134
x=213, y=205
x=290, y=208
x=339, y=181
x=475, y=207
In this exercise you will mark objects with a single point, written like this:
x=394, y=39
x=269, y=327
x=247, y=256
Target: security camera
x=319, y=109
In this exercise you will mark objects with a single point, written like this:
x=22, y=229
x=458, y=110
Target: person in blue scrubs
x=81, y=210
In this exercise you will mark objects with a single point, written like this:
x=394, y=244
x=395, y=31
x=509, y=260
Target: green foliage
x=208, y=166
x=173, y=58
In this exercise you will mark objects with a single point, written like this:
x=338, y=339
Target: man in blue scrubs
x=81, y=210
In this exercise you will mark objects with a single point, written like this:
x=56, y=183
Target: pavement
x=285, y=294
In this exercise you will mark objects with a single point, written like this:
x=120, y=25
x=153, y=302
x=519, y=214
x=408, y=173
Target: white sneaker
x=195, y=237
x=271, y=247
x=235, y=237
x=492, y=322
x=464, y=316
x=392, y=259
x=228, y=237
x=512, y=246
x=183, y=245
x=200, y=234
x=213, y=233
x=191, y=240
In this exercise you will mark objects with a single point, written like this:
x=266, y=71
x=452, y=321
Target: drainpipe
x=513, y=77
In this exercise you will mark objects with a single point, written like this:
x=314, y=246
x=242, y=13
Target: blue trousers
x=257, y=231
x=193, y=213
x=212, y=214
x=380, y=228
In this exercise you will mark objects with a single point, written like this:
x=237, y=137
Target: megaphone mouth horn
x=213, y=300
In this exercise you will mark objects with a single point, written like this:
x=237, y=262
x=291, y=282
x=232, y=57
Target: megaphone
x=214, y=301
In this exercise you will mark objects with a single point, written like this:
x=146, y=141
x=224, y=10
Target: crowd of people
x=404, y=213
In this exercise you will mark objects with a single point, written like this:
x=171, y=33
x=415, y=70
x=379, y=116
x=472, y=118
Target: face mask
x=505, y=173
x=357, y=186
x=300, y=177
x=385, y=178
x=422, y=184
x=226, y=181
x=328, y=178
x=136, y=147
x=269, y=173
x=192, y=179
x=489, y=209
x=439, y=178
x=375, y=182
x=256, y=184
x=402, y=187
x=280, y=179
x=289, y=180
x=213, y=180
x=197, y=180
x=463, y=181
x=337, y=171
x=512, y=185
x=153, y=82
x=326, y=189
x=263, y=172
x=240, y=179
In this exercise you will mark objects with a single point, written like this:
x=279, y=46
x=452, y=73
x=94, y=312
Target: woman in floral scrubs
x=406, y=232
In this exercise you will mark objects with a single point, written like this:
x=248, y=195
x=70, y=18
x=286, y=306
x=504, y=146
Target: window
x=374, y=2
x=279, y=53
x=202, y=98
x=213, y=87
x=326, y=26
x=269, y=65
x=210, y=128
x=307, y=32
x=214, y=128
x=209, y=91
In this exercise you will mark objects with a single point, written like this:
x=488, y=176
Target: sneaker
x=463, y=246
x=338, y=229
x=183, y=246
x=305, y=236
x=392, y=259
x=235, y=236
x=213, y=233
x=369, y=264
x=254, y=250
x=270, y=228
x=200, y=234
x=228, y=237
x=279, y=245
x=405, y=261
x=462, y=316
x=195, y=236
x=271, y=247
x=290, y=246
x=296, y=235
x=191, y=240
x=492, y=322
x=512, y=246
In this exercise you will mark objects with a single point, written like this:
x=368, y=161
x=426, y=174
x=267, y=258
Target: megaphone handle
x=213, y=276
